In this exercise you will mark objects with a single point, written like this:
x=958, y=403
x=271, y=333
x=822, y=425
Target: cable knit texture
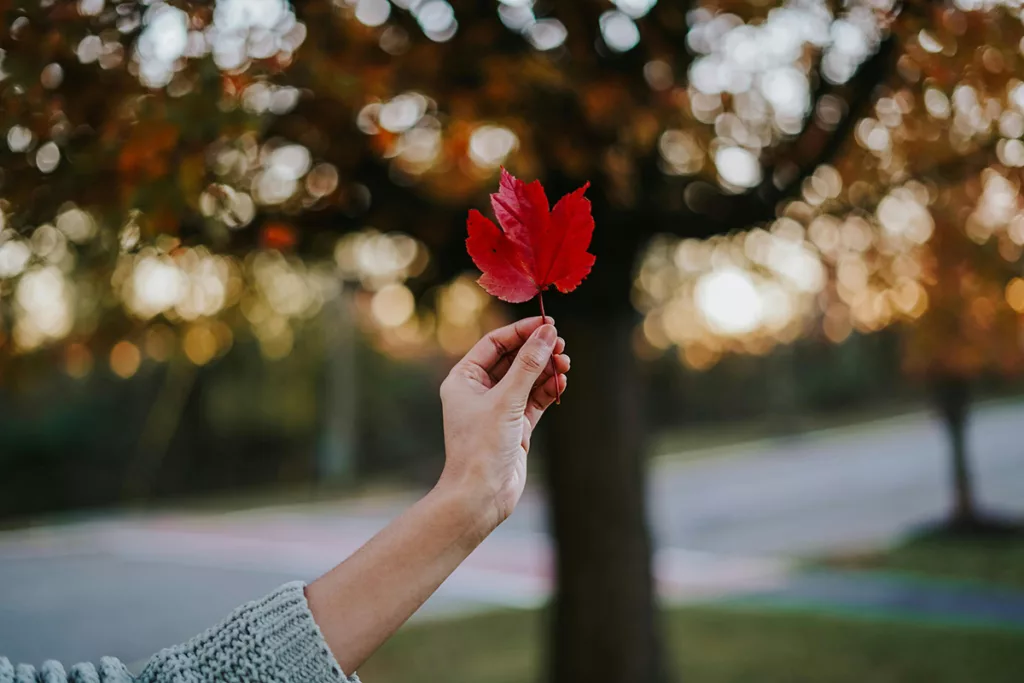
x=271, y=640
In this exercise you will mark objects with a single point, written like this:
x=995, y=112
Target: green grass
x=709, y=645
x=995, y=559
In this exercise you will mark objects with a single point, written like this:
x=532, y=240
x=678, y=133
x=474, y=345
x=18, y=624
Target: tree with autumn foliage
x=972, y=328
x=913, y=222
x=951, y=117
x=170, y=162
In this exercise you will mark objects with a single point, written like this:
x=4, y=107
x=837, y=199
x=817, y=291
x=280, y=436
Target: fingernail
x=547, y=334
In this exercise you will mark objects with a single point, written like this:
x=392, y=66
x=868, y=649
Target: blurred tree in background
x=914, y=220
x=961, y=142
x=177, y=176
x=972, y=327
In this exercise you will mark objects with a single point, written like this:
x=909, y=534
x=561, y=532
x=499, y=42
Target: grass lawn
x=997, y=559
x=711, y=645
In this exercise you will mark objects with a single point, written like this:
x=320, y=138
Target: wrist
x=471, y=508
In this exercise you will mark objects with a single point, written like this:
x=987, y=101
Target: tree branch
x=813, y=147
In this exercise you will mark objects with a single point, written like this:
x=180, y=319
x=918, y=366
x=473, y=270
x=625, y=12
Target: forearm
x=492, y=400
x=356, y=606
x=360, y=603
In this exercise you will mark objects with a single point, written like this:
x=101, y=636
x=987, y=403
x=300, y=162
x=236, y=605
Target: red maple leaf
x=536, y=247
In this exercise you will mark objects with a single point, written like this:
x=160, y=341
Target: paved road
x=835, y=490
x=725, y=526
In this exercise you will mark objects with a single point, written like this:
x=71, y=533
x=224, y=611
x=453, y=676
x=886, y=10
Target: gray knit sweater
x=271, y=640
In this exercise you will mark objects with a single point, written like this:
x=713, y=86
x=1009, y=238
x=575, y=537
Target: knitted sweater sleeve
x=270, y=640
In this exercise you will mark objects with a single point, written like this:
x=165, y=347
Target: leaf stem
x=554, y=372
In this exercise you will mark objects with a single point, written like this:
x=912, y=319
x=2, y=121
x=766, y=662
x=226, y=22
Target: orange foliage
x=969, y=327
x=278, y=236
x=145, y=155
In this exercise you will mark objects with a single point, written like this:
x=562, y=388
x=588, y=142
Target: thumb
x=530, y=362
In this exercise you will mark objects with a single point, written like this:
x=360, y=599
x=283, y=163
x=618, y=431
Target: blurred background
x=233, y=274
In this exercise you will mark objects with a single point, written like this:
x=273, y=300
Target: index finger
x=495, y=344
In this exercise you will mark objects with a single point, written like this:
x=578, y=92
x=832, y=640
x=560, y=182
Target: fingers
x=505, y=362
x=501, y=342
x=562, y=363
x=543, y=395
x=528, y=365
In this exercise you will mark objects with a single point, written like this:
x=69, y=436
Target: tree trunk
x=165, y=417
x=604, y=621
x=335, y=457
x=952, y=396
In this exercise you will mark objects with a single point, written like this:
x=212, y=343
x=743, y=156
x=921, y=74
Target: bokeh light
x=125, y=359
x=852, y=246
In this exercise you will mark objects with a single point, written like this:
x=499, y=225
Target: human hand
x=492, y=400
